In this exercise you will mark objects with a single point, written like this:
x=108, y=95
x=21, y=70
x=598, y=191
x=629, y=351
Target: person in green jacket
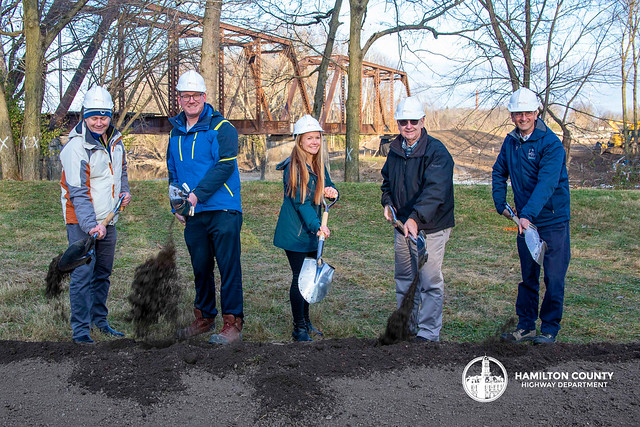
x=306, y=182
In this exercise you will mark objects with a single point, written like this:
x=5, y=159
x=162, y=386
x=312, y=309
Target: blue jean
x=555, y=264
x=211, y=236
x=89, y=286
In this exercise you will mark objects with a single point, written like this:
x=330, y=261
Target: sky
x=604, y=98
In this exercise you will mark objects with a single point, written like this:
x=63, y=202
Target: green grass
x=481, y=265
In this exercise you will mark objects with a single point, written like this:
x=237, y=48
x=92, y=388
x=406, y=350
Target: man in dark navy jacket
x=417, y=181
x=533, y=158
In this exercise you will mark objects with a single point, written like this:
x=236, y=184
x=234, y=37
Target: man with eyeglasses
x=202, y=161
x=417, y=183
x=533, y=158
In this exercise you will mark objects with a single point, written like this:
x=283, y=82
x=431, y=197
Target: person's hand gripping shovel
x=315, y=276
x=537, y=247
x=419, y=241
x=80, y=252
x=398, y=322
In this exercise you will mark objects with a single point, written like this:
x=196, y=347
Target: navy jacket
x=205, y=158
x=420, y=186
x=537, y=168
x=299, y=220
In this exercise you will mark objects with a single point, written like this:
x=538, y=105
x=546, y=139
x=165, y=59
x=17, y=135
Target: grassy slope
x=481, y=265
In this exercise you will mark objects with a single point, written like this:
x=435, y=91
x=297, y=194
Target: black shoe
x=544, y=339
x=84, y=339
x=519, y=335
x=420, y=339
x=300, y=334
x=312, y=330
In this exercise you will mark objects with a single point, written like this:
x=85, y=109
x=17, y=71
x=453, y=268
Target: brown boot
x=231, y=331
x=199, y=326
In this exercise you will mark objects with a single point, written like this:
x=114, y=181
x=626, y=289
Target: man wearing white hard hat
x=533, y=158
x=417, y=183
x=202, y=160
x=94, y=177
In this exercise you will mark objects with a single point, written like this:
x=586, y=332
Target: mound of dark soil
x=325, y=381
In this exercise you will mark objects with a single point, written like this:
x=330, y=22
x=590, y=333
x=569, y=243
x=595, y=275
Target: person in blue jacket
x=306, y=181
x=202, y=158
x=533, y=158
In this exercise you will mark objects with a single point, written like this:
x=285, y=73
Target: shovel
x=420, y=242
x=537, y=247
x=315, y=276
x=80, y=252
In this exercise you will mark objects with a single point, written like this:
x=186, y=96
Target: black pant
x=299, y=307
x=211, y=236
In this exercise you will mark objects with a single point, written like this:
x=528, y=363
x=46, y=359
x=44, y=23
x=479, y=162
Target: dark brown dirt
x=54, y=278
x=304, y=383
x=155, y=291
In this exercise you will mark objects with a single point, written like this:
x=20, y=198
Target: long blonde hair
x=298, y=172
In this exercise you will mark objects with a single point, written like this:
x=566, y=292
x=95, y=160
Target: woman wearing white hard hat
x=306, y=181
x=94, y=178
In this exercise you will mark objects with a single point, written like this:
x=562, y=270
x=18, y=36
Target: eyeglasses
x=403, y=123
x=527, y=114
x=197, y=97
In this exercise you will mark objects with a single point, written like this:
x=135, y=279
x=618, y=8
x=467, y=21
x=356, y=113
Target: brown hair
x=298, y=172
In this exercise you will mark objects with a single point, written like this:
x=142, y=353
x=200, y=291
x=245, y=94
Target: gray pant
x=426, y=317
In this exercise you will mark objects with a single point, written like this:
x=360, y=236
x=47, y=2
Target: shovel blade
x=77, y=254
x=537, y=247
x=315, y=279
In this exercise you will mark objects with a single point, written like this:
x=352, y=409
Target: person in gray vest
x=417, y=182
x=94, y=177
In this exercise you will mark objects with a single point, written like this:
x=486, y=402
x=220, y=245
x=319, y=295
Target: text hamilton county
x=537, y=376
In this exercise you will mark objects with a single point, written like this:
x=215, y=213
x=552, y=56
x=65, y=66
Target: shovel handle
x=323, y=223
x=118, y=207
x=514, y=217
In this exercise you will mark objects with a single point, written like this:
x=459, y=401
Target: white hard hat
x=524, y=99
x=191, y=81
x=409, y=109
x=306, y=124
x=97, y=98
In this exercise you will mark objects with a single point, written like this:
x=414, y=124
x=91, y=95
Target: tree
x=556, y=48
x=628, y=14
x=8, y=155
x=210, y=53
x=425, y=13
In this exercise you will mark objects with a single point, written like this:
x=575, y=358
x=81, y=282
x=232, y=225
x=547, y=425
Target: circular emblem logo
x=484, y=379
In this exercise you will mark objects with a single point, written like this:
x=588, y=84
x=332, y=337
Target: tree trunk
x=633, y=142
x=352, y=151
x=33, y=92
x=318, y=101
x=8, y=155
x=210, y=53
x=81, y=71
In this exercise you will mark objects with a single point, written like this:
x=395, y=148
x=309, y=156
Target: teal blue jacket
x=299, y=221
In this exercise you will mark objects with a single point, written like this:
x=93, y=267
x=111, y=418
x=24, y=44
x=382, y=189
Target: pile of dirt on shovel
x=155, y=291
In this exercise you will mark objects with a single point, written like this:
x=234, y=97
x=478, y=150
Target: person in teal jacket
x=306, y=181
